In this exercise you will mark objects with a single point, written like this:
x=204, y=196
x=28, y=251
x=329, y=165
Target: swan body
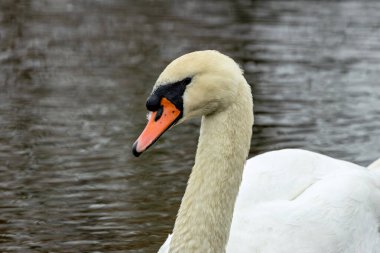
x=302, y=202
x=281, y=201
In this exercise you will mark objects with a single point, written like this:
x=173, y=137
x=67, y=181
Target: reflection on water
x=74, y=77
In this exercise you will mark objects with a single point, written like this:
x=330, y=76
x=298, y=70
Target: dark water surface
x=74, y=76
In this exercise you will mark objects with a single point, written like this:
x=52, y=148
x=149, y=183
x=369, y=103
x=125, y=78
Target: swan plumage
x=375, y=165
x=282, y=201
x=299, y=201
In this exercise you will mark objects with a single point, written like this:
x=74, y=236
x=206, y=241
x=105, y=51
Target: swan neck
x=204, y=218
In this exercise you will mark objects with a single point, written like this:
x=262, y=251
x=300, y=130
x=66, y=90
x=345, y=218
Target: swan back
x=375, y=165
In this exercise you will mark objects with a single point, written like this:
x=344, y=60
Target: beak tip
x=134, y=150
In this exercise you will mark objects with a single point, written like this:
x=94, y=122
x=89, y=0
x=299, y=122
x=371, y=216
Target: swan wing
x=285, y=174
x=299, y=201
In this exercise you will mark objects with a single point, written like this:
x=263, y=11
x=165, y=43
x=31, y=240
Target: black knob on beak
x=153, y=103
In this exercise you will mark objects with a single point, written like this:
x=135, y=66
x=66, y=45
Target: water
x=74, y=76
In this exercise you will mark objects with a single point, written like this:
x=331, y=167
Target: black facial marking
x=153, y=103
x=173, y=92
x=159, y=113
x=187, y=80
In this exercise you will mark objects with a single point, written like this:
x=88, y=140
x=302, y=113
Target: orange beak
x=159, y=121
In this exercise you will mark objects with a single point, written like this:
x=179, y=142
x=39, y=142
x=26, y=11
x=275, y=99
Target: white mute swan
x=289, y=201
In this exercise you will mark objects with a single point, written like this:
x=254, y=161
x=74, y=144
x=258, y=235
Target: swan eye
x=186, y=81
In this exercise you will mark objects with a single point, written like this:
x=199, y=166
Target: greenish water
x=74, y=76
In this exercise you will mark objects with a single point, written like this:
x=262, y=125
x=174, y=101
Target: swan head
x=196, y=84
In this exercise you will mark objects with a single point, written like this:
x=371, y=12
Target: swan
x=289, y=200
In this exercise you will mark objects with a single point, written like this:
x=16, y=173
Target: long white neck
x=204, y=218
